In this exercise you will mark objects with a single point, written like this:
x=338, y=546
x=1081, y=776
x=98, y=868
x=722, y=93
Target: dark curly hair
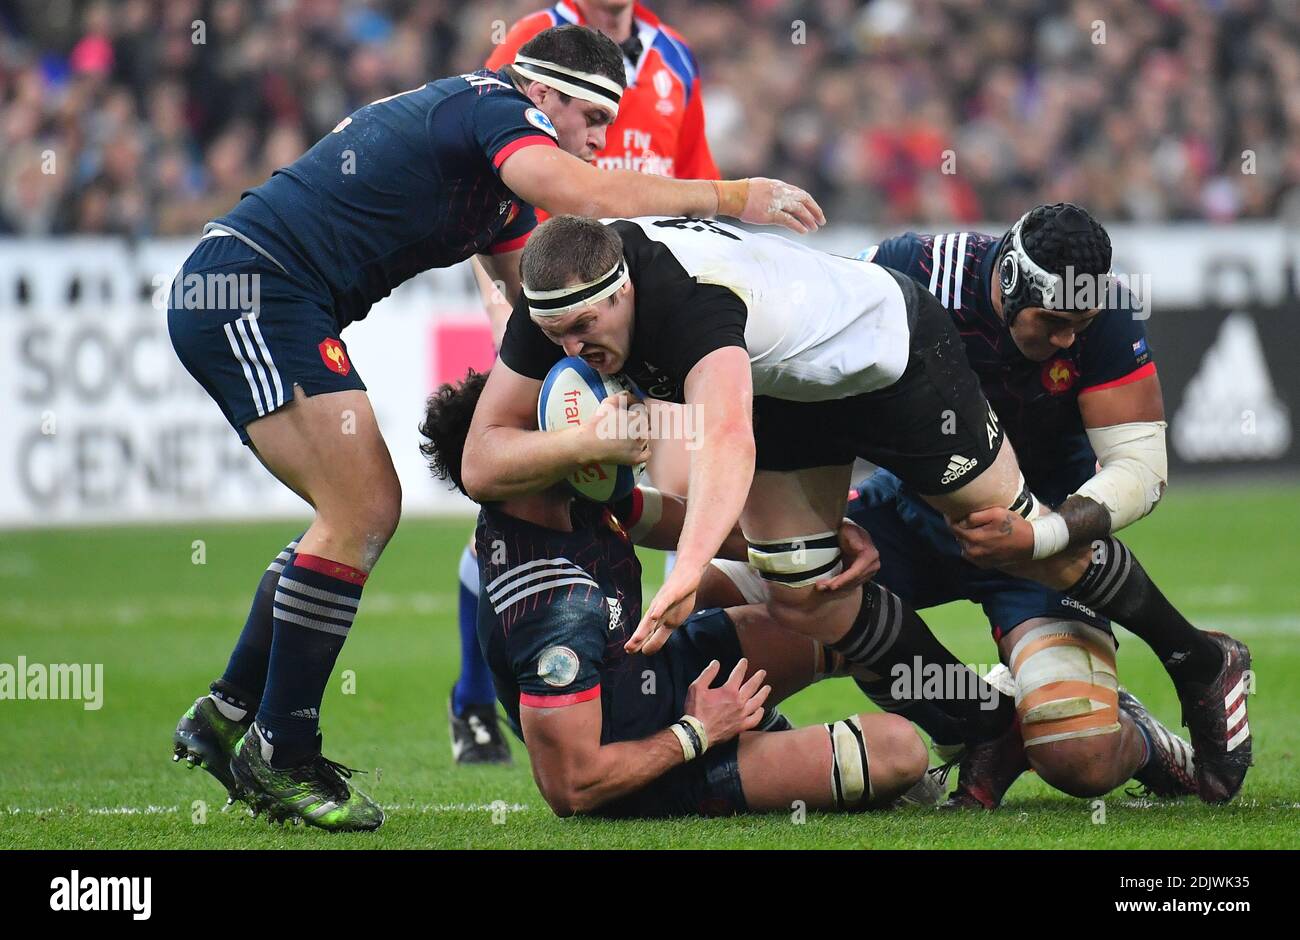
x=1064, y=236
x=447, y=417
x=577, y=47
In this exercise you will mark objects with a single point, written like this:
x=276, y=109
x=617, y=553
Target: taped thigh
x=1066, y=686
x=850, y=774
x=797, y=562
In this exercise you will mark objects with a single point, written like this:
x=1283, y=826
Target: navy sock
x=888, y=633
x=474, y=687
x=943, y=729
x=1117, y=586
x=315, y=603
x=240, y=686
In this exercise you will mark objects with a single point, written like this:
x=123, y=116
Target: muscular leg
x=328, y=449
x=1090, y=747
x=791, y=507
x=1002, y=485
x=777, y=769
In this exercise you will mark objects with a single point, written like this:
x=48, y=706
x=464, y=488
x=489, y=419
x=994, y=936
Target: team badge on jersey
x=557, y=666
x=540, y=121
x=332, y=354
x=1059, y=375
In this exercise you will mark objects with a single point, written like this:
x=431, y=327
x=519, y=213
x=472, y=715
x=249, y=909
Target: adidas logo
x=958, y=467
x=1230, y=409
x=305, y=713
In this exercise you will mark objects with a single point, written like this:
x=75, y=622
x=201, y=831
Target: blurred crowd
x=148, y=117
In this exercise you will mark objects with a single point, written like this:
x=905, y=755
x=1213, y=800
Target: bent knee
x=1083, y=767
x=897, y=756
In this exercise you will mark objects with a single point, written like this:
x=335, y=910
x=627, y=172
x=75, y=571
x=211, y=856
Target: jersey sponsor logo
x=557, y=666
x=1230, y=409
x=332, y=354
x=958, y=467
x=1059, y=375
x=540, y=121
x=991, y=426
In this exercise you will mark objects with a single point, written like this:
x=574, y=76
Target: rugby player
x=421, y=179
x=659, y=130
x=1078, y=395
x=847, y=359
x=624, y=734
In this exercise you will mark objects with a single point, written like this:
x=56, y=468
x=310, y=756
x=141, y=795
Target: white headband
x=585, y=85
x=556, y=303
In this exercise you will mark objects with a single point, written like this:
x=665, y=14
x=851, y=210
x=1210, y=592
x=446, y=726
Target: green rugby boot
x=315, y=791
x=206, y=738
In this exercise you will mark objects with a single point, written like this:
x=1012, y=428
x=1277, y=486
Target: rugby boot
x=315, y=791
x=206, y=738
x=476, y=736
x=1170, y=770
x=1215, y=718
x=986, y=771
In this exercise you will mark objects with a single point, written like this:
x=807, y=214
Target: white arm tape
x=652, y=510
x=1134, y=470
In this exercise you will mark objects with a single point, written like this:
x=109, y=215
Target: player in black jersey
x=634, y=734
x=422, y=179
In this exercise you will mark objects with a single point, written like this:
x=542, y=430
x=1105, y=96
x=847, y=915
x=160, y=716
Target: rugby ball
x=570, y=395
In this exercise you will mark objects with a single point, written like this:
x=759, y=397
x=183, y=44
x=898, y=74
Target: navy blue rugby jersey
x=404, y=184
x=556, y=608
x=1037, y=402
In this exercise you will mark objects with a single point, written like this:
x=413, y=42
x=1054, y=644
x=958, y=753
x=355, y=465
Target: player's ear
x=538, y=94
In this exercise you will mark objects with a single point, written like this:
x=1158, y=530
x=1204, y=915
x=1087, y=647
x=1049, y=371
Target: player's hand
x=992, y=538
x=616, y=433
x=772, y=202
x=733, y=707
x=674, y=602
x=861, y=560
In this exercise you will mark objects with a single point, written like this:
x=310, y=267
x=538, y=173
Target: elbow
x=567, y=798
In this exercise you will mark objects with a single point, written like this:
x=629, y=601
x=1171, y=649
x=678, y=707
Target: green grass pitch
x=162, y=626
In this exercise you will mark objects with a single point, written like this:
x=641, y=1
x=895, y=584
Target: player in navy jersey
x=629, y=734
x=425, y=178
x=1063, y=385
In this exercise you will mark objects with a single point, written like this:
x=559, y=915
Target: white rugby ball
x=570, y=395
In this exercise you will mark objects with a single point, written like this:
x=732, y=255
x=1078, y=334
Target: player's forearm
x=721, y=472
x=627, y=194
x=666, y=533
x=620, y=769
x=503, y=462
x=1131, y=481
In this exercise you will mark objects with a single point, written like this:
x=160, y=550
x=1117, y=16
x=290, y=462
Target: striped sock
x=474, y=687
x=315, y=602
x=1117, y=586
x=239, y=690
x=891, y=640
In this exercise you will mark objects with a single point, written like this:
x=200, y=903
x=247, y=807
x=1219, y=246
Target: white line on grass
x=153, y=810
